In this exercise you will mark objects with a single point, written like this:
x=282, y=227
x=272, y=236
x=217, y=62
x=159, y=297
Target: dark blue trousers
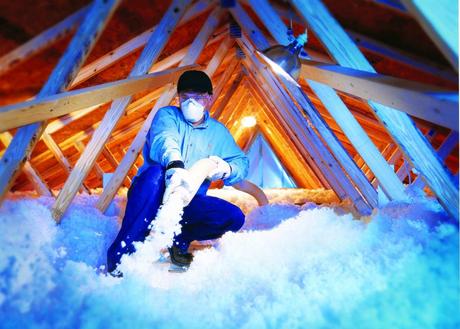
x=205, y=218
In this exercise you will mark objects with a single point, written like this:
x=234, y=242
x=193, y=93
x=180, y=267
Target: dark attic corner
x=229, y=164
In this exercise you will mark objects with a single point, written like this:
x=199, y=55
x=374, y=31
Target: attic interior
x=295, y=123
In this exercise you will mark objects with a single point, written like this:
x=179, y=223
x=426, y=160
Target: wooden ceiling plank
x=136, y=146
x=26, y=137
x=217, y=112
x=399, y=56
x=412, y=143
x=148, y=56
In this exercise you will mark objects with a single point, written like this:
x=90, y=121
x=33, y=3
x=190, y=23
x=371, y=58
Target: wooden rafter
x=26, y=137
x=412, y=143
x=195, y=49
x=423, y=101
x=149, y=55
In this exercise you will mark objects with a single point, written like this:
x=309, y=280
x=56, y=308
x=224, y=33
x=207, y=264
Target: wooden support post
x=41, y=41
x=411, y=142
x=439, y=19
x=219, y=56
x=26, y=137
x=136, y=146
x=149, y=55
x=32, y=175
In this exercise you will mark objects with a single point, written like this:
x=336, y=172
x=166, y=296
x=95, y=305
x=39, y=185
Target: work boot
x=179, y=257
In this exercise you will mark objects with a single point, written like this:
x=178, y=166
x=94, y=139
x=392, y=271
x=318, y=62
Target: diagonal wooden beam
x=164, y=64
x=26, y=137
x=409, y=139
x=287, y=111
x=136, y=146
x=32, y=175
x=423, y=101
x=134, y=44
x=369, y=45
x=272, y=128
x=41, y=41
x=149, y=55
x=447, y=146
x=45, y=108
x=264, y=10
x=252, y=30
x=439, y=19
x=56, y=151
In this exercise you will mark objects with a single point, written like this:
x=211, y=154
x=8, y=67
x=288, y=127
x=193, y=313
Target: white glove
x=222, y=171
x=178, y=179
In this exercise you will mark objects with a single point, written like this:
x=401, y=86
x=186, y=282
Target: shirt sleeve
x=235, y=157
x=164, y=137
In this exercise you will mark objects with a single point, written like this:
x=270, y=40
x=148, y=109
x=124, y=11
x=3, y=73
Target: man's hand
x=222, y=171
x=178, y=179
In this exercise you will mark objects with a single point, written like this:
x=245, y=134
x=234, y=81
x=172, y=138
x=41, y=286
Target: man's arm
x=164, y=137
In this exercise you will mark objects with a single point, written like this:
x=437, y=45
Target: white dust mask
x=192, y=110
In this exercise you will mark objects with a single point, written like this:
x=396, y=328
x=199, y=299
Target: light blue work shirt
x=171, y=137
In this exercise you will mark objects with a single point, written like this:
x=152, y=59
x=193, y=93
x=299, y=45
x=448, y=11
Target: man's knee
x=236, y=219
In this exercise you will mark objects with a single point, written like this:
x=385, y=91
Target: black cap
x=194, y=81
